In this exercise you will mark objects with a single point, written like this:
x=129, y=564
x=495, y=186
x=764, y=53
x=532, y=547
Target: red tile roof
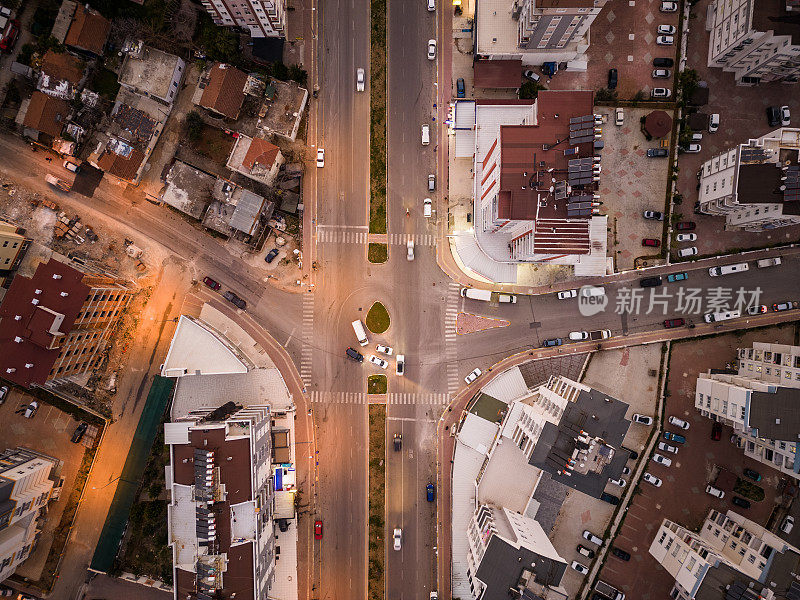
x=261, y=152
x=63, y=66
x=121, y=166
x=58, y=303
x=499, y=74
x=46, y=114
x=88, y=31
x=224, y=93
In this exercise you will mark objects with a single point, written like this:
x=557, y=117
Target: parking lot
x=48, y=432
x=682, y=497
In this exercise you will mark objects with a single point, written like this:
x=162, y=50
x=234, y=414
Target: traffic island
x=378, y=318
x=377, y=110
x=377, y=253
x=377, y=500
x=376, y=384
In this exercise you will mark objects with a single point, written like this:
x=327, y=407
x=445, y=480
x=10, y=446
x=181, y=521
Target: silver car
x=662, y=460
x=398, y=537
x=431, y=49
x=359, y=80
x=665, y=447
x=665, y=40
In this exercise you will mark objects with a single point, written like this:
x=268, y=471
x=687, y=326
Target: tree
x=280, y=71
x=194, y=125
x=298, y=74
x=530, y=90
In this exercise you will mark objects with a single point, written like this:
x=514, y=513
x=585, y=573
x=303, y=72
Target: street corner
x=467, y=323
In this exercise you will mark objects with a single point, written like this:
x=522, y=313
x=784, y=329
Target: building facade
x=13, y=246
x=25, y=487
x=262, y=18
x=755, y=185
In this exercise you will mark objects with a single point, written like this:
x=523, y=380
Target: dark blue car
x=552, y=342
x=431, y=492
x=271, y=256
x=674, y=437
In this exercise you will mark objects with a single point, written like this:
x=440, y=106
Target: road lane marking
x=307, y=351
x=405, y=398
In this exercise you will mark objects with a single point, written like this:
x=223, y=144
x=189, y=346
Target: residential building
x=56, y=323
x=755, y=185
x=757, y=42
x=262, y=18
x=44, y=114
x=761, y=403
x=13, y=246
x=730, y=557
x=255, y=158
x=224, y=93
x=60, y=75
x=151, y=72
x=537, y=31
x=81, y=28
x=282, y=110
x=25, y=486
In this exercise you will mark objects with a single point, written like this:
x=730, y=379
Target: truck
x=361, y=333
x=56, y=182
x=769, y=262
x=608, y=591
x=488, y=295
x=600, y=334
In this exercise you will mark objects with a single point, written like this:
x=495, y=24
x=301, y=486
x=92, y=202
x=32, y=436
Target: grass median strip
x=377, y=497
x=377, y=128
x=378, y=253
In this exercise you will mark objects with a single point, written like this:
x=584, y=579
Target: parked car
x=661, y=92
x=740, y=502
x=397, y=536
x=612, y=79
x=713, y=122
x=666, y=30
x=529, y=74
x=781, y=306
x=787, y=524
x=472, y=376
x=697, y=136
x=566, y=294
x=378, y=361
x=652, y=479
x=653, y=215
x=674, y=437
x=678, y=422
x=320, y=157
x=663, y=62
x=651, y=243
x=618, y=482
x=786, y=117
x=317, y=530
x=758, y=309
x=271, y=255
x=686, y=252
x=427, y=205
x=754, y=475
x=672, y=323
x=668, y=6
x=661, y=73
x=619, y=116
x=400, y=365
x=685, y=225
x=397, y=441
x=431, y=49
x=235, y=300
x=587, y=552
x=677, y=277
x=716, y=431
x=354, y=354
x=3, y=393
x=211, y=283
x=642, y=419
x=714, y=491
x=650, y=282
x=387, y=350
x=578, y=336
x=430, y=492
x=620, y=553
x=610, y=498
x=552, y=342
x=582, y=569
x=30, y=410
x=71, y=166
x=692, y=148
x=773, y=116
x=686, y=237
x=588, y=535
x=662, y=460
x=665, y=447
x=665, y=40
x=360, y=79
x=657, y=153
x=431, y=187
x=461, y=90
x=77, y=435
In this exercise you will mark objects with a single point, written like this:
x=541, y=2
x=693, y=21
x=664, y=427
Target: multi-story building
x=536, y=31
x=13, y=246
x=56, y=324
x=759, y=403
x=753, y=42
x=25, y=487
x=262, y=18
x=221, y=525
x=730, y=557
x=151, y=73
x=755, y=185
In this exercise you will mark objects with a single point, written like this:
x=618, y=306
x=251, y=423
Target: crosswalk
x=420, y=239
x=306, y=355
x=331, y=235
x=451, y=337
x=403, y=398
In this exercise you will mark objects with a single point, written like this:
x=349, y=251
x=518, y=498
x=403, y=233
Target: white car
x=431, y=49
x=666, y=30
x=662, y=460
x=678, y=422
x=31, y=409
x=668, y=6
x=643, y=419
x=410, y=249
x=359, y=80
x=619, y=116
x=71, y=166
x=400, y=368
x=577, y=336
x=684, y=252
x=320, y=157
x=431, y=5
x=686, y=237
x=566, y=294
x=665, y=40
x=378, y=361
x=786, y=117
x=652, y=479
x=661, y=73
x=387, y=350
x=582, y=569
x=660, y=92
x=398, y=537
x=713, y=123
x=427, y=208
x=620, y=482
x=665, y=447
x=588, y=535
x=473, y=376
x=693, y=148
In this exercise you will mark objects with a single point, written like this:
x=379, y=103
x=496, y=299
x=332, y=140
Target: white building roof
x=507, y=386
x=467, y=464
x=508, y=480
x=497, y=31
x=196, y=349
x=467, y=252
x=183, y=527
x=465, y=128
x=243, y=522
x=477, y=433
x=177, y=433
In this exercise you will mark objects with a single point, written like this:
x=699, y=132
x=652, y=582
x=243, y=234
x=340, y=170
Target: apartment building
x=755, y=185
x=730, y=557
x=760, y=402
x=56, y=323
x=756, y=42
x=536, y=31
x=262, y=18
x=220, y=518
x=25, y=487
x=151, y=73
x=13, y=246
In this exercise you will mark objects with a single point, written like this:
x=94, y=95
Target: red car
x=8, y=34
x=317, y=530
x=685, y=226
x=670, y=323
x=211, y=283
x=716, y=431
x=651, y=242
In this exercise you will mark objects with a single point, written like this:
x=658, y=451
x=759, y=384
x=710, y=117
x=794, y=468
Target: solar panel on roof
x=581, y=140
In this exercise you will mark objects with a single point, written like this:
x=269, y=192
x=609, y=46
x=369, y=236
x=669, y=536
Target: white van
x=361, y=333
x=474, y=294
x=591, y=291
x=721, y=316
x=728, y=269
x=507, y=298
x=426, y=134
x=710, y=489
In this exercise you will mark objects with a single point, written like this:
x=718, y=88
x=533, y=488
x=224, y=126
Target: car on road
x=461, y=90
x=665, y=40
x=651, y=242
x=431, y=5
x=663, y=62
x=431, y=185
x=781, y=306
x=642, y=419
x=400, y=366
x=77, y=435
x=360, y=80
x=566, y=294
x=30, y=410
x=716, y=431
x=685, y=225
x=613, y=78
x=686, y=237
x=354, y=354
x=620, y=553
x=786, y=117
x=430, y=492
x=431, y=49
x=582, y=569
x=378, y=361
x=666, y=30
x=610, y=498
x=678, y=422
x=588, y=535
x=3, y=393
x=211, y=283
x=662, y=460
x=660, y=92
x=650, y=282
x=427, y=206
x=672, y=278
x=473, y=376
x=674, y=437
x=410, y=249
x=672, y=323
x=317, y=530
x=665, y=447
x=552, y=342
x=758, y=309
x=587, y=552
x=668, y=6
x=653, y=215
x=271, y=255
x=787, y=524
x=387, y=350
x=397, y=536
x=577, y=336
x=657, y=153
x=397, y=440
x=740, y=502
x=652, y=479
x=754, y=475
x=235, y=300
x=661, y=73
x=685, y=252
x=692, y=148
x=320, y=157
x=618, y=482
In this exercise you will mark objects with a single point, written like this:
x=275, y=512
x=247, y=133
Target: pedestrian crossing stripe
x=336, y=236
x=432, y=399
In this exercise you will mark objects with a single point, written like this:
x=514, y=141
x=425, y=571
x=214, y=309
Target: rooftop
x=151, y=71
x=497, y=32
x=63, y=66
x=776, y=416
x=188, y=189
x=89, y=30
x=196, y=349
x=224, y=93
x=498, y=74
x=46, y=114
